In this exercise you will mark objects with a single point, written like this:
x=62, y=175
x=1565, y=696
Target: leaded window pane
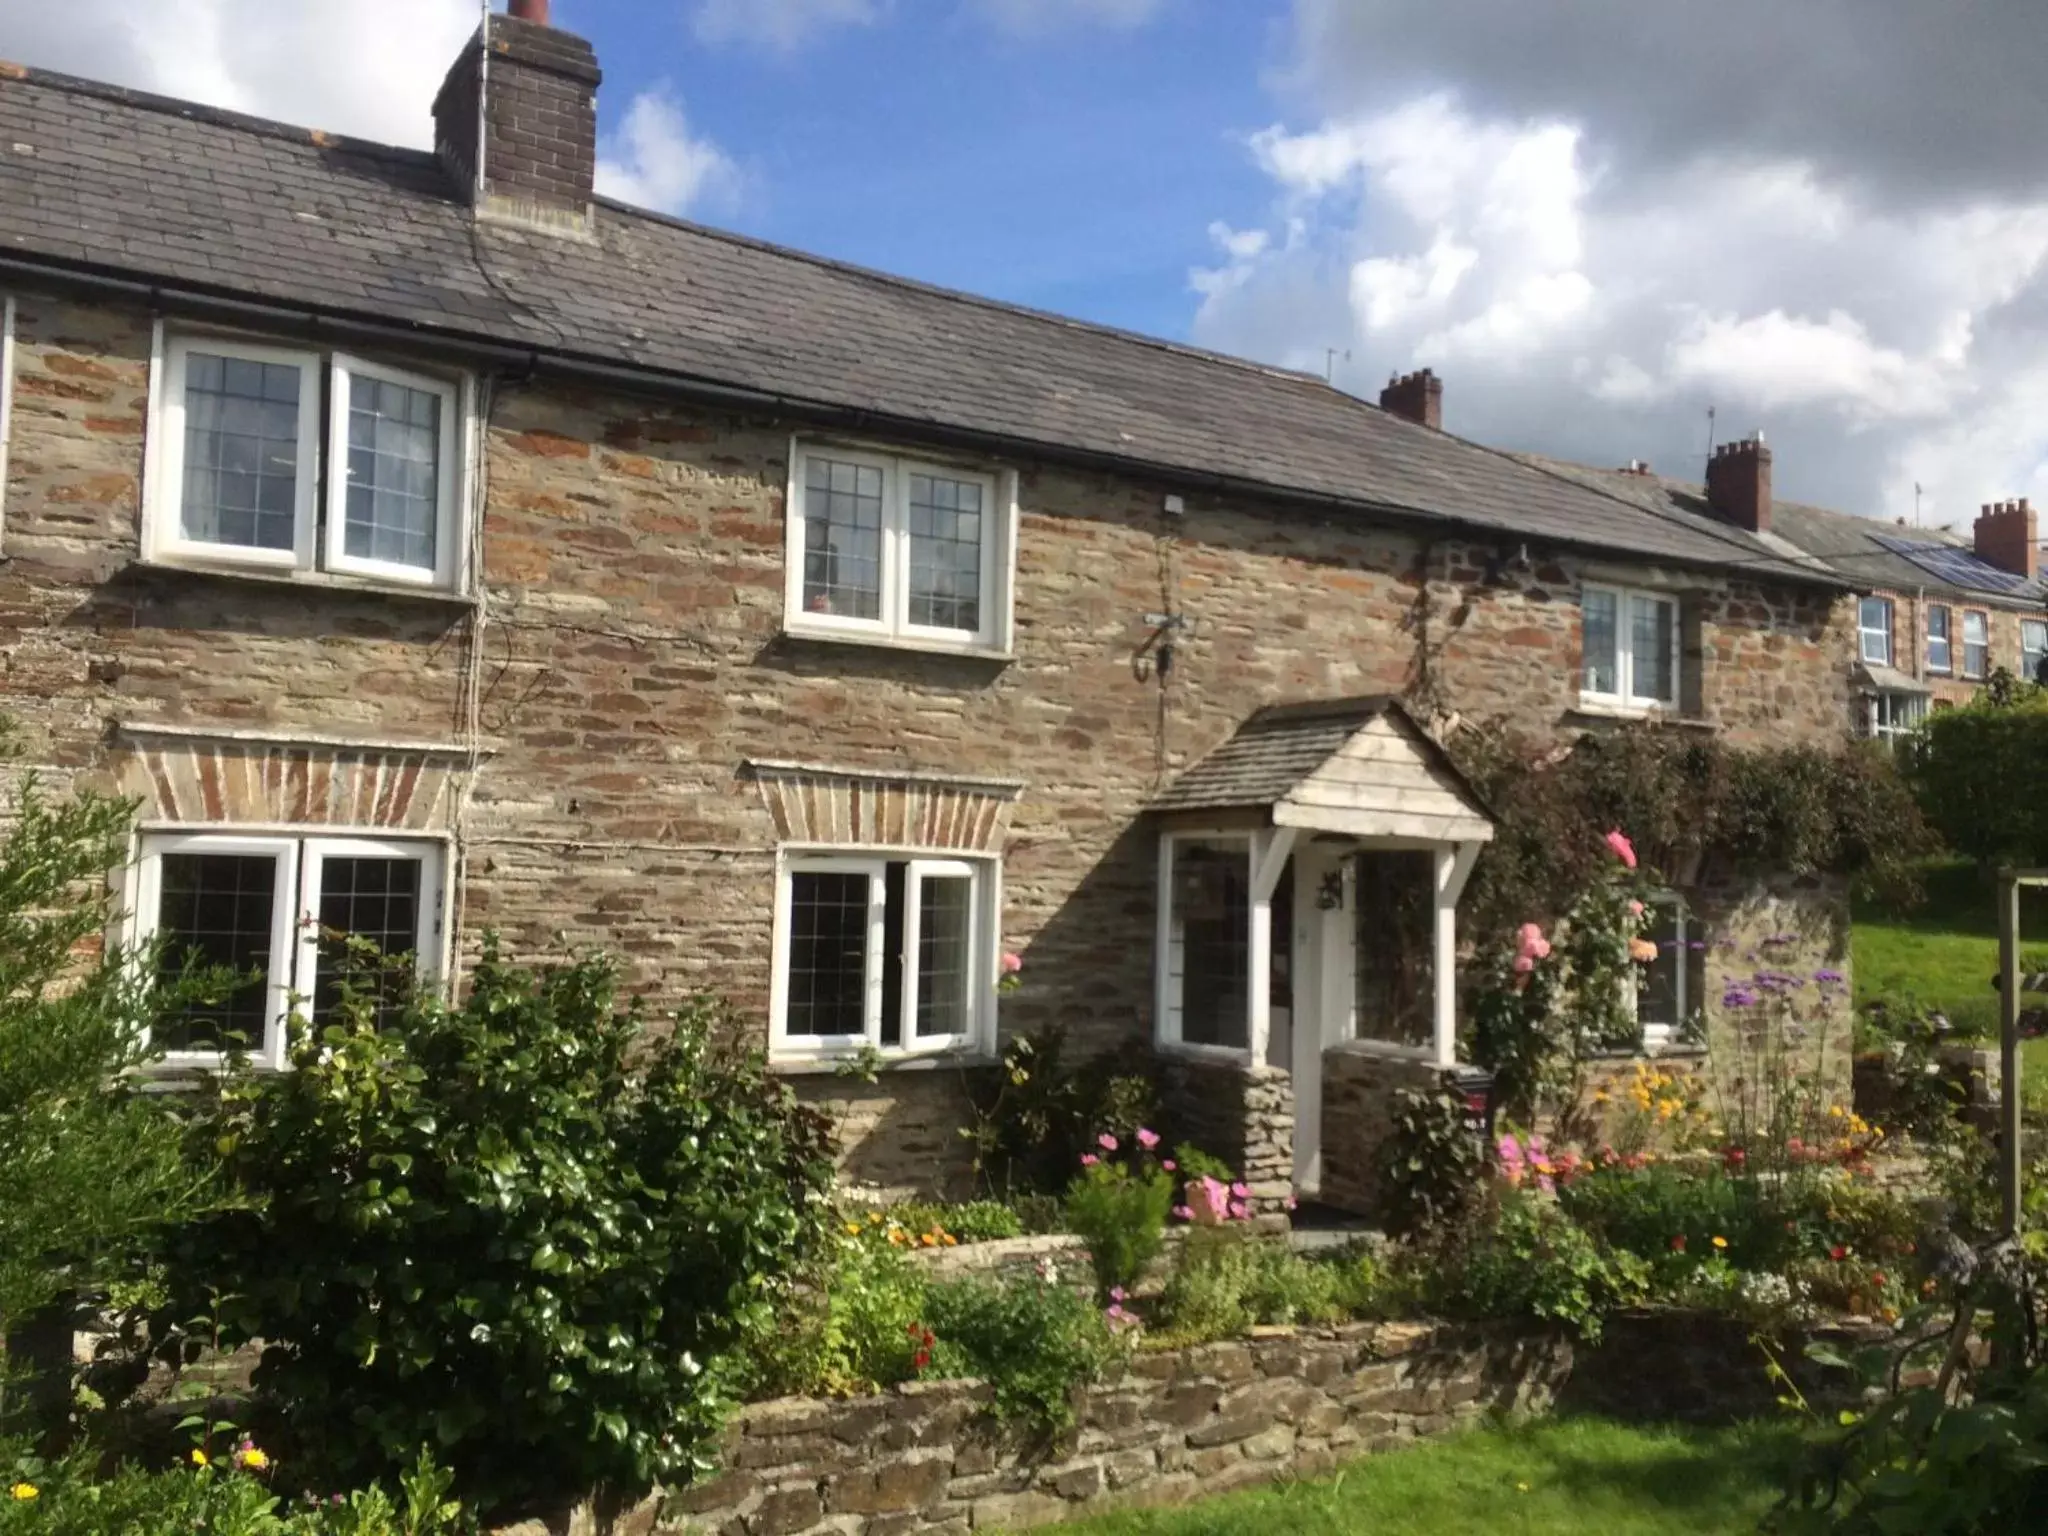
x=241, y=452
x=394, y=473
x=842, y=538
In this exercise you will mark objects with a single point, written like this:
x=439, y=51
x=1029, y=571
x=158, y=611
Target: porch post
x=1270, y=848
x=1454, y=863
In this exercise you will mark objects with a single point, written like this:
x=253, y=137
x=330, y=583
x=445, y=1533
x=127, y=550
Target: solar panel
x=1958, y=567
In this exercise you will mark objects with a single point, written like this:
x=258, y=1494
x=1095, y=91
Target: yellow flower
x=200, y=1458
x=251, y=1456
x=1521, y=1487
x=929, y=1241
x=952, y=1241
x=853, y=1229
x=1720, y=1242
x=23, y=1492
x=1600, y=1096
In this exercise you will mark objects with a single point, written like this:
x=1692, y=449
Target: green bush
x=1980, y=773
x=90, y=1165
x=1672, y=1216
x=517, y=1231
x=852, y=1328
x=221, y=1498
x=1121, y=1214
x=1535, y=1261
x=1227, y=1281
x=1045, y=1112
x=1430, y=1168
x=1034, y=1341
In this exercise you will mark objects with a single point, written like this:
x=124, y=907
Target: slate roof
x=1862, y=551
x=115, y=183
x=1283, y=744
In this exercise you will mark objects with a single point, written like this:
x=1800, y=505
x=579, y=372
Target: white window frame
x=985, y=905
x=301, y=857
x=1167, y=1014
x=2040, y=630
x=893, y=627
x=452, y=451
x=1625, y=697
x=1683, y=927
x=1913, y=706
x=1945, y=662
x=1866, y=633
x=164, y=499
x=1983, y=618
x=320, y=505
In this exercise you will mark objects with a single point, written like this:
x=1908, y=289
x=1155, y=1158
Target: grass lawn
x=1544, y=1477
x=1944, y=954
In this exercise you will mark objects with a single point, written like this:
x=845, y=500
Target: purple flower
x=1828, y=978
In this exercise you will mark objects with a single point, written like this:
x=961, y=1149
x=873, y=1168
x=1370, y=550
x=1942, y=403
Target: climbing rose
x=1529, y=941
x=1147, y=1139
x=1622, y=848
x=1012, y=964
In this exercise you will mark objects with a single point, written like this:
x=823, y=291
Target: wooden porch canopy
x=1356, y=769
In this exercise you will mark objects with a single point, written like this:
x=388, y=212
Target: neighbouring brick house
x=434, y=549
x=1936, y=615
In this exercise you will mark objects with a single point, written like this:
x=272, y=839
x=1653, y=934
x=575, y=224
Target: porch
x=1309, y=875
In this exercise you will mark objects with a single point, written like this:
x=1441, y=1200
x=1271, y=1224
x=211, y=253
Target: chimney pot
x=1739, y=484
x=1417, y=397
x=2007, y=536
x=535, y=11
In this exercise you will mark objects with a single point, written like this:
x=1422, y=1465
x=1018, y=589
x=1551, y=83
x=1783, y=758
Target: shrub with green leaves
x=518, y=1231
x=1980, y=773
x=971, y=1221
x=848, y=1329
x=1033, y=1340
x=1430, y=1168
x=1119, y=1208
x=1226, y=1281
x=231, y=1496
x=1535, y=1261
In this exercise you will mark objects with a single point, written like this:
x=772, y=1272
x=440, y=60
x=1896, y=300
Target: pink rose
x=1147, y=1139
x=1529, y=941
x=1622, y=848
x=1241, y=1191
x=1524, y=964
x=1635, y=909
x=1182, y=1213
x=1012, y=964
x=1169, y=1165
x=1238, y=1212
x=1089, y=1160
x=1106, y=1141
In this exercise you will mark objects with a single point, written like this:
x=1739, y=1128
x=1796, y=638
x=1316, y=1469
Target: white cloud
x=368, y=67
x=782, y=25
x=1582, y=304
x=654, y=161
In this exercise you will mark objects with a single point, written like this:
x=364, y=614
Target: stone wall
x=632, y=657
x=1359, y=1084
x=1239, y=1113
x=1172, y=1427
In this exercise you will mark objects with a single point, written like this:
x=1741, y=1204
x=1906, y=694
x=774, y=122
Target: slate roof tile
x=141, y=187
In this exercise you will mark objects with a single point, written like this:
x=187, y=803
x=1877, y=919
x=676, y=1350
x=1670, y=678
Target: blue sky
x=1076, y=170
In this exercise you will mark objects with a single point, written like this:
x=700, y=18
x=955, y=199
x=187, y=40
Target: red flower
x=1838, y=1253
x=1877, y=1278
x=1678, y=1243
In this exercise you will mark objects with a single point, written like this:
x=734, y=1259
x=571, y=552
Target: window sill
x=835, y=1065
x=1216, y=1055
x=265, y=576
x=883, y=641
x=1388, y=1050
x=1596, y=709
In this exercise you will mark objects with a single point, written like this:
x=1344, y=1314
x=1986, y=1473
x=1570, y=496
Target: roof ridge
x=201, y=112
x=1708, y=527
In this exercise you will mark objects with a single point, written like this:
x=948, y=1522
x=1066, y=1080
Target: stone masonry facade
x=587, y=728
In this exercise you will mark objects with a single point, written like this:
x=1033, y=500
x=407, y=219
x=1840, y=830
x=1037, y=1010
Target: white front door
x=1324, y=986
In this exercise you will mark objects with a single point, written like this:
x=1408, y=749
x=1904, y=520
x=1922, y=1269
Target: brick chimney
x=1739, y=484
x=2008, y=537
x=1418, y=396
x=539, y=124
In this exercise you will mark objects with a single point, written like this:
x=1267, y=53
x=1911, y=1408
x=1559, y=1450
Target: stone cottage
x=433, y=548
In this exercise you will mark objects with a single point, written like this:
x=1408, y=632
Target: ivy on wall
x=1696, y=809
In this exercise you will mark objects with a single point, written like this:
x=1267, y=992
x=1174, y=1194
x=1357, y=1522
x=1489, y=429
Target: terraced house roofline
x=205, y=209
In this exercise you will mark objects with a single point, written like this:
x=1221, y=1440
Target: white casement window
x=1670, y=990
x=1204, y=977
x=1940, y=657
x=1976, y=643
x=1631, y=648
x=896, y=954
x=241, y=474
x=2033, y=650
x=1874, y=627
x=896, y=550
x=1893, y=715
x=276, y=911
